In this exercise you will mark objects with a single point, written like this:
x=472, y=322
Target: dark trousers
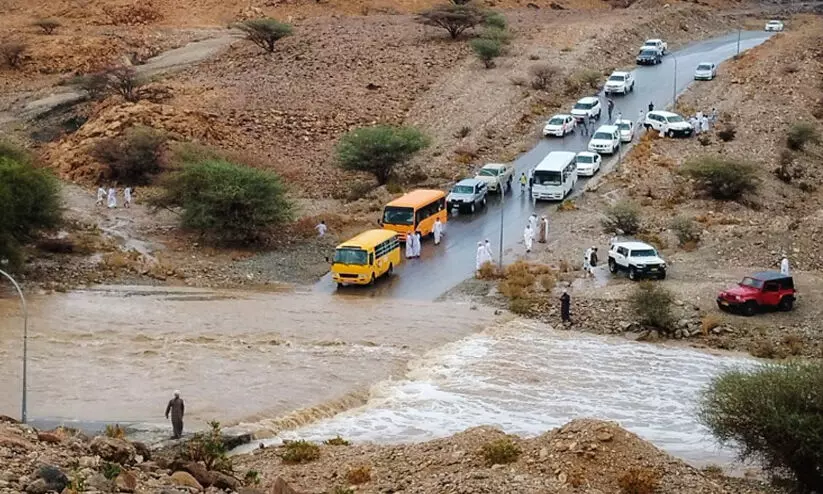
x=565, y=312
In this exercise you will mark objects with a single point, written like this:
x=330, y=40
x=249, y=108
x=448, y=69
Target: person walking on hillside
x=610, y=107
x=438, y=231
x=784, y=267
x=101, y=196
x=127, y=197
x=112, y=198
x=321, y=228
x=177, y=409
x=704, y=124
x=565, y=307
x=593, y=259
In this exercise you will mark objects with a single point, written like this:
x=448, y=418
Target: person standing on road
x=651, y=106
x=438, y=231
x=416, y=243
x=641, y=118
x=523, y=182
x=112, y=198
x=533, y=222
x=585, y=122
x=543, y=231
x=177, y=409
x=528, y=237
x=610, y=106
x=488, y=247
x=409, y=246
x=784, y=267
x=565, y=307
x=592, y=122
x=481, y=257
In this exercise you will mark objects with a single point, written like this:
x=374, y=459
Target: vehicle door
x=620, y=254
x=771, y=293
x=655, y=121
x=597, y=161
x=481, y=190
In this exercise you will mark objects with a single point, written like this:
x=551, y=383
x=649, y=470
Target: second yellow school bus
x=366, y=257
x=415, y=211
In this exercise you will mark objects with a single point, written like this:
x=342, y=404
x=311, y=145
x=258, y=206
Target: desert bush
x=122, y=80
x=495, y=20
x=208, y=447
x=567, y=205
x=800, y=135
x=500, y=452
x=47, y=25
x=486, y=50
x=12, y=53
x=252, y=477
x=453, y=18
x=639, y=481
x=489, y=271
x=771, y=414
x=265, y=32
x=29, y=202
x=379, y=149
x=336, y=441
x=110, y=470
x=709, y=322
x=544, y=76
x=685, y=229
x=463, y=132
x=727, y=133
x=622, y=218
x=115, y=431
x=359, y=475
x=228, y=201
x=300, y=452
x=652, y=303
x=722, y=178
x=547, y=281
x=501, y=36
x=590, y=78
x=134, y=158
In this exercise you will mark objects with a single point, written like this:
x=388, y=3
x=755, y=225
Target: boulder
x=98, y=482
x=231, y=442
x=281, y=487
x=15, y=443
x=39, y=486
x=197, y=470
x=113, y=449
x=142, y=449
x=53, y=477
x=125, y=481
x=223, y=481
x=184, y=479
x=49, y=437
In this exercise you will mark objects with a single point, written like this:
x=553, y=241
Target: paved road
x=441, y=268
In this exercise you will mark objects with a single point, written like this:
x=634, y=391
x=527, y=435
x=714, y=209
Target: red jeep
x=760, y=290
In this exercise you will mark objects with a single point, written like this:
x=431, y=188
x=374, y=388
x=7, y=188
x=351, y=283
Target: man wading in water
x=176, y=408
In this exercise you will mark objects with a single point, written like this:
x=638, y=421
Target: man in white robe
x=480, y=257
x=784, y=267
x=112, y=198
x=488, y=246
x=533, y=221
x=416, y=244
x=704, y=124
x=409, y=246
x=438, y=231
x=127, y=197
x=587, y=268
x=101, y=195
x=528, y=237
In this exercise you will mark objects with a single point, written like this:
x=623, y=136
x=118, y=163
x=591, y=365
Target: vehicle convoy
x=605, y=140
x=774, y=25
x=764, y=290
x=657, y=44
x=638, y=259
x=649, y=56
x=497, y=176
x=587, y=163
x=467, y=194
x=671, y=123
x=705, y=71
x=587, y=107
x=620, y=83
x=559, y=125
x=366, y=257
x=415, y=211
x=555, y=176
x=626, y=128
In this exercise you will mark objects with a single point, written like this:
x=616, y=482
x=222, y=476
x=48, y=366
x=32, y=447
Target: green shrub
x=47, y=25
x=134, y=158
x=500, y=452
x=686, y=230
x=336, y=441
x=29, y=202
x=300, y=452
x=227, y=201
x=801, y=134
x=652, y=304
x=265, y=32
x=722, y=178
x=252, y=477
x=495, y=20
x=501, y=36
x=771, y=414
x=110, y=470
x=486, y=50
x=622, y=218
x=208, y=447
x=590, y=77
x=453, y=18
x=379, y=149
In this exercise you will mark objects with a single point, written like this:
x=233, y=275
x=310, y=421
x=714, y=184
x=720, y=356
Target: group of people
x=535, y=227
x=700, y=122
x=413, y=240
x=590, y=261
x=110, y=197
x=484, y=254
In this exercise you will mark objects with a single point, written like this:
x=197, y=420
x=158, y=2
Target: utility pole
x=502, y=208
x=674, y=88
x=25, y=340
x=738, y=43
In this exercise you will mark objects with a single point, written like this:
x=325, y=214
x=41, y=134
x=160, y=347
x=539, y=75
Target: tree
x=379, y=149
x=722, y=178
x=29, y=201
x=453, y=18
x=622, y=218
x=230, y=202
x=495, y=20
x=652, y=304
x=47, y=25
x=486, y=50
x=771, y=414
x=122, y=80
x=133, y=158
x=265, y=32
x=12, y=53
x=544, y=76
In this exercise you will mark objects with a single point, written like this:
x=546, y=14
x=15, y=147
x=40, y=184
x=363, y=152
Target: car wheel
x=749, y=308
x=472, y=207
x=670, y=133
x=372, y=280
x=721, y=307
x=786, y=304
x=661, y=276
x=632, y=274
x=612, y=266
x=647, y=126
x=340, y=286
x=484, y=202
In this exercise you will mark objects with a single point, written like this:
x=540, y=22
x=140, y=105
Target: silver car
x=469, y=193
x=705, y=71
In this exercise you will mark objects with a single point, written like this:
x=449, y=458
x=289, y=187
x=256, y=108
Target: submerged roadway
x=442, y=267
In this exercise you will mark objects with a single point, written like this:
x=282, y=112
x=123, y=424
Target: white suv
x=671, y=123
x=619, y=82
x=587, y=107
x=638, y=259
x=605, y=140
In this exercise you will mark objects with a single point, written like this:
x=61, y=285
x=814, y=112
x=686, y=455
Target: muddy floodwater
x=117, y=354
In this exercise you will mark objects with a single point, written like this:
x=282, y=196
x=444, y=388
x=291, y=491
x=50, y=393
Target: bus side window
x=371, y=259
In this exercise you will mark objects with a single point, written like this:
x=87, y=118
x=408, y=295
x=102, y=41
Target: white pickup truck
x=658, y=44
x=497, y=176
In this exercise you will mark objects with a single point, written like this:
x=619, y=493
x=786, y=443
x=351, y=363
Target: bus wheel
x=339, y=286
x=371, y=282
x=391, y=269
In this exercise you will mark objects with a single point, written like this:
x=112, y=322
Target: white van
x=555, y=176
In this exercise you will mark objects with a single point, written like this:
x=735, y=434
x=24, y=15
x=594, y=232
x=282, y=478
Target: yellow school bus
x=415, y=211
x=366, y=257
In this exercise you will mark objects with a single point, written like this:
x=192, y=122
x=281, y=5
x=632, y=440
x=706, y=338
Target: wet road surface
x=442, y=267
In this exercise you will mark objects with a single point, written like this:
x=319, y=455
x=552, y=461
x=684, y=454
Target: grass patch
x=500, y=452
x=300, y=452
x=336, y=441
x=359, y=475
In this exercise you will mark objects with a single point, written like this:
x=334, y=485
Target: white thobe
x=127, y=195
x=112, y=199
x=528, y=237
x=480, y=258
x=488, y=248
x=409, y=246
x=101, y=195
x=438, y=231
x=533, y=222
x=416, y=245
x=784, y=267
x=586, y=258
x=704, y=124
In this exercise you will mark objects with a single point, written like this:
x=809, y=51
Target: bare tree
x=122, y=80
x=12, y=53
x=47, y=25
x=453, y=18
x=544, y=76
x=265, y=32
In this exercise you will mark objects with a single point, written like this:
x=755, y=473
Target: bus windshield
x=348, y=255
x=394, y=215
x=547, y=178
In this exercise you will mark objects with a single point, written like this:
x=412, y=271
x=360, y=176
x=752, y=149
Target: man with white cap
x=177, y=408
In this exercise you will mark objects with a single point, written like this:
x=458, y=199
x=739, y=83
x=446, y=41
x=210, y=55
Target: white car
x=705, y=71
x=658, y=44
x=626, y=128
x=774, y=25
x=671, y=123
x=587, y=107
x=605, y=140
x=587, y=163
x=638, y=259
x=619, y=82
x=559, y=125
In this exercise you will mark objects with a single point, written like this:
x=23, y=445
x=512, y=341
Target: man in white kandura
x=533, y=221
x=101, y=195
x=321, y=228
x=587, y=268
x=480, y=257
x=409, y=246
x=438, y=231
x=784, y=266
x=488, y=246
x=416, y=243
x=528, y=237
x=112, y=198
x=127, y=197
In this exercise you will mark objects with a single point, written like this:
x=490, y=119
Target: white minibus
x=555, y=176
